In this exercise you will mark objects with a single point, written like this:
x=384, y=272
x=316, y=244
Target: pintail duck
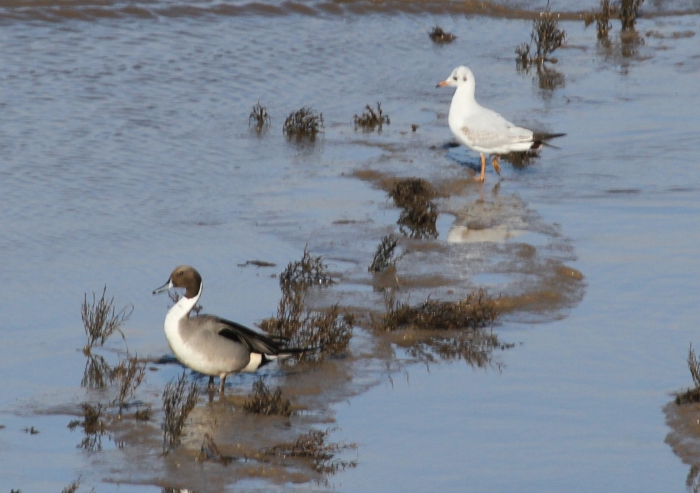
x=211, y=345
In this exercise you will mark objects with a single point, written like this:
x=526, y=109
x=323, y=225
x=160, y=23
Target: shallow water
x=125, y=150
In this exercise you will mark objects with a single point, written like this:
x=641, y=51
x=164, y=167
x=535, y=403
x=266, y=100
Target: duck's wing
x=241, y=334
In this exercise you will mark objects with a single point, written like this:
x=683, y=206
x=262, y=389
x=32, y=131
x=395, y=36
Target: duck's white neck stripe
x=181, y=309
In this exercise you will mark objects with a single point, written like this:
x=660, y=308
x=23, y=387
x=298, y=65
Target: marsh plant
x=385, y=256
x=98, y=373
x=477, y=310
x=324, y=332
x=267, y=402
x=304, y=123
x=179, y=399
x=309, y=271
x=692, y=394
x=315, y=447
x=546, y=37
x=101, y=320
x=601, y=17
x=419, y=216
x=439, y=35
x=128, y=374
x=629, y=11
x=73, y=487
x=260, y=117
x=474, y=347
x=93, y=427
x=371, y=119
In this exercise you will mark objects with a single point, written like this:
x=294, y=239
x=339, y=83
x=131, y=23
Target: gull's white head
x=461, y=76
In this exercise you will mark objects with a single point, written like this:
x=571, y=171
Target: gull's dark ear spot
x=464, y=78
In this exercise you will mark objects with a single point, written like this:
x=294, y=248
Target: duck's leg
x=222, y=381
x=483, y=168
x=496, y=166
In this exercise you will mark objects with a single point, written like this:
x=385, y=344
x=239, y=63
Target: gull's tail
x=540, y=139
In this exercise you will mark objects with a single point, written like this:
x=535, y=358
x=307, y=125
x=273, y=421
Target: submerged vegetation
x=324, y=332
x=419, y=216
x=129, y=374
x=266, y=402
x=384, y=257
x=309, y=271
x=371, y=119
x=438, y=35
x=546, y=37
x=178, y=401
x=315, y=447
x=304, y=123
x=101, y=320
x=477, y=310
x=692, y=394
x=260, y=117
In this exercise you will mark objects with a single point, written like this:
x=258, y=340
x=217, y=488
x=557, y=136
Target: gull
x=211, y=345
x=482, y=129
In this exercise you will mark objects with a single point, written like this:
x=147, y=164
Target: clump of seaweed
x=260, y=117
x=303, y=123
x=629, y=11
x=266, y=402
x=101, y=320
x=601, y=18
x=384, y=256
x=128, y=374
x=419, y=216
x=477, y=310
x=692, y=394
x=439, y=35
x=209, y=451
x=309, y=271
x=313, y=446
x=371, y=119
x=326, y=332
x=178, y=400
x=546, y=36
x=93, y=426
x=520, y=159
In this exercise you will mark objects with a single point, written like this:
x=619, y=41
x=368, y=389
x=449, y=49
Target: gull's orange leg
x=496, y=166
x=483, y=168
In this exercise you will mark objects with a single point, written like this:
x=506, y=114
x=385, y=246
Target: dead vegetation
x=260, y=117
x=692, y=394
x=419, y=216
x=371, y=119
x=266, y=402
x=97, y=373
x=629, y=11
x=440, y=36
x=101, y=320
x=309, y=271
x=73, y=487
x=304, y=123
x=546, y=37
x=178, y=401
x=477, y=310
x=314, y=446
x=601, y=17
x=93, y=426
x=326, y=332
x=384, y=257
x=128, y=374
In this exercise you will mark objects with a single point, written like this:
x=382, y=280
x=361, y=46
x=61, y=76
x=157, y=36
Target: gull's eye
x=454, y=77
